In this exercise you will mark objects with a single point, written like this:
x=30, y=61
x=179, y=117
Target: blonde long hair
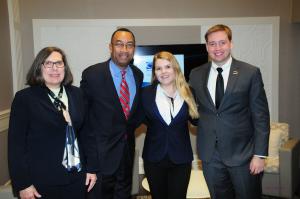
x=180, y=83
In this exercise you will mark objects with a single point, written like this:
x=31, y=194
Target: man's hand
x=29, y=193
x=257, y=165
x=90, y=180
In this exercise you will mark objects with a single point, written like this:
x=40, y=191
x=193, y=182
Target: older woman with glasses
x=45, y=144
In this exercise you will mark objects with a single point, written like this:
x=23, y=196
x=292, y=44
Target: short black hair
x=122, y=30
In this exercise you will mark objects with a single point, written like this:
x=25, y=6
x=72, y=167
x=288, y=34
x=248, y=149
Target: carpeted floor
x=143, y=194
x=143, y=197
x=264, y=197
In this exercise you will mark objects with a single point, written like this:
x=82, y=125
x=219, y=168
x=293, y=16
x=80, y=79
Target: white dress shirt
x=212, y=78
x=165, y=107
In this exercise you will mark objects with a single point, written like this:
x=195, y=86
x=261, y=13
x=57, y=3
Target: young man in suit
x=112, y=90
x=234, y=123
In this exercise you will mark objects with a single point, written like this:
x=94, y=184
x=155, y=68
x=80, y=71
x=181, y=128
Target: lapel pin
x=235, y=72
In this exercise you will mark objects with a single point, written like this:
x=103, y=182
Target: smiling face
x=122, y=48
x=164, y=72
x=53, y=70
x=219, y=47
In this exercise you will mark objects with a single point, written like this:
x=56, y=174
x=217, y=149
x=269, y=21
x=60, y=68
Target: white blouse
x=167, y=109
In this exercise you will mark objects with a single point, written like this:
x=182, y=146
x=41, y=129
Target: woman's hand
x=29, y=193
x=90, y=180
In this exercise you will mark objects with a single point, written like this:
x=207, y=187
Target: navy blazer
x=241, y=125
x=161, y=139
x=37, y=135
x=106, y=120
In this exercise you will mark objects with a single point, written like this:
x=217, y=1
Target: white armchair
x=281, y=176
x=6, y=191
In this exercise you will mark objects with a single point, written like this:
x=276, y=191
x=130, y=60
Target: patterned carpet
x=263, y=197
x=143, y=194
x=143, y=197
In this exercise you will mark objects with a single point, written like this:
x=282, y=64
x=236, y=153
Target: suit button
x=218, y=114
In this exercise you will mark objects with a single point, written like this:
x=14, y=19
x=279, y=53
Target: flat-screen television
x=188, y=56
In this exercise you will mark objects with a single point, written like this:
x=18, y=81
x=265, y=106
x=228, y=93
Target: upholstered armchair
x=281, y=176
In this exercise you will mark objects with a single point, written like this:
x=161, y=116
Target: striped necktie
x=124, y=95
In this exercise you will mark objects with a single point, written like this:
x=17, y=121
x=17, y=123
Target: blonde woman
x=167, y=106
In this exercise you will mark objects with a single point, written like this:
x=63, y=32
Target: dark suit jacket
x=162, y=139
x=37, y=135
x=241, y=125
x=106, y=119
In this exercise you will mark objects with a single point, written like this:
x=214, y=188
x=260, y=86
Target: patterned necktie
x=125, y=95
x=219, y=87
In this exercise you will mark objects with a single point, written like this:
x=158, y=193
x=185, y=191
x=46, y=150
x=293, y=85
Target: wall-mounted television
x=189, y=56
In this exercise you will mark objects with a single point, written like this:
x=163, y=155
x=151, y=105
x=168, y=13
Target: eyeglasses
x=217, y=43
x=129, y=45
x=50, y=64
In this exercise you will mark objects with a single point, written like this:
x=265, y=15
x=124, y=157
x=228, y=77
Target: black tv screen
x=189, y=56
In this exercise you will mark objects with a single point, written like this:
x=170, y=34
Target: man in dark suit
x=112, y=90
x=233, y=128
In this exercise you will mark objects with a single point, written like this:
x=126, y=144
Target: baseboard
x=4, y=120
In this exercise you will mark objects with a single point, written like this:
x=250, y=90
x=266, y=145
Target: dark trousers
x=226, y=182
x=117, y=185
x=75, y=190
x=167, y=180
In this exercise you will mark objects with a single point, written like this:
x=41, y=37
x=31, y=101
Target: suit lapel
x=137, y=90
x=110, y=84
x=182, y=113
x=208, y=96
x=110, y=87
x=207, y=100
x=154, y=107
x=72, y=103
x=232, y=79
x=44, y=99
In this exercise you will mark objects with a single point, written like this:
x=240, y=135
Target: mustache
x=124, y=53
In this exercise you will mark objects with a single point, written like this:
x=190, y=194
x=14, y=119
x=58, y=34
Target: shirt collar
x=163, y=93
x=115, y=70
x=226, y=66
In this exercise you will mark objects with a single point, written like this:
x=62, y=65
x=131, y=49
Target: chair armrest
x=289, y=155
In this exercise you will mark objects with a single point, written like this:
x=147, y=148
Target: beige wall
x=5, y=63
x=296, y=11
x=5, y=85
x=289, y=66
